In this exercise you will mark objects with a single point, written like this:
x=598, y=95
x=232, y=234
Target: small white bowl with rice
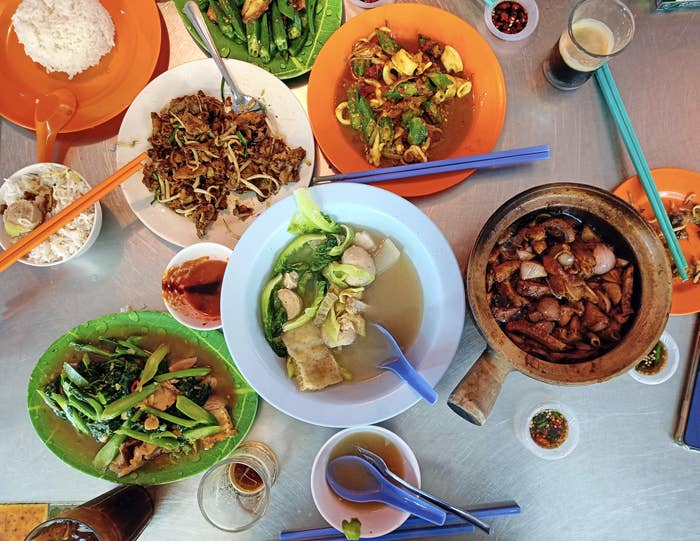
x=35, y=193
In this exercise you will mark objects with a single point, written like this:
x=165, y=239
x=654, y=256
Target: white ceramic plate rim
x=287, y=116
x=334, y=511
x=348, y=404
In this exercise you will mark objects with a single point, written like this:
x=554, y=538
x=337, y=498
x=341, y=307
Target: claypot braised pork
x=558, y=290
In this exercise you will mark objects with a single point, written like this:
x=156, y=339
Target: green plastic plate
x=328, y=14
x=66, y=445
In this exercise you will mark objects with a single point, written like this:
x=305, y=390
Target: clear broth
x=349, y=476
x=395, y=301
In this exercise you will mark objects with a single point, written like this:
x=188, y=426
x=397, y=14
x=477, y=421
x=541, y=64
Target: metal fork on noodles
x=240, y=102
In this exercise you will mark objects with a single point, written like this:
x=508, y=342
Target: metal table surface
x=625, y=480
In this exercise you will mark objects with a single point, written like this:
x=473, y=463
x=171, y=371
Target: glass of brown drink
x=235, y=493
x=118, y=515
x=597, y=30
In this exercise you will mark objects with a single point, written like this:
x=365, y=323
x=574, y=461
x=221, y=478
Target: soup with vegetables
x=326, y=288
x=129, y=402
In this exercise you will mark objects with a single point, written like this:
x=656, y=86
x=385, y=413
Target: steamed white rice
x=67, y=187
x=64, y=35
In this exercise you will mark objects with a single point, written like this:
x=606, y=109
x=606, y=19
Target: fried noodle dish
x=558, y=291
x=202, y=152
x=396, y=98
x=685, y=220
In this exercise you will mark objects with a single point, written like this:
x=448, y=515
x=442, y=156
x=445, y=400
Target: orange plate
x=673, y=185
x=406, y=21
x=102, y=91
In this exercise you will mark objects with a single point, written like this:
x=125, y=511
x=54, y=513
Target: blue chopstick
x=414, y=527
x=480, y=161
x=617, y=108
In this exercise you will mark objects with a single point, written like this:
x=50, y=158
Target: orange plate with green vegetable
x=102, y=91
x=674, y=185
x=406, y=21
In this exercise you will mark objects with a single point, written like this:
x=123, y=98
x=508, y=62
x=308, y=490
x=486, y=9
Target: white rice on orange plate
x=67, y=186
x=64, y=35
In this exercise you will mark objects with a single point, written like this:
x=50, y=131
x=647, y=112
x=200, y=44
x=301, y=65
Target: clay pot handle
x=476, y=394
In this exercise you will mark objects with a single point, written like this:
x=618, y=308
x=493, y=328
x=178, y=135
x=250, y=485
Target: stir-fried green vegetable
x=107, y=394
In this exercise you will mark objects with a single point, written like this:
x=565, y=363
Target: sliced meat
x=593, y=318
x=182, y=364
x=504, y=271
x=537, y=332
x=132, y=455
x=530, y=288
x=163, y=397
x=227, y=429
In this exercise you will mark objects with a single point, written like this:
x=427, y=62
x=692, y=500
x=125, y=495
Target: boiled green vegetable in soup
x=139, y=404
x=314, y=305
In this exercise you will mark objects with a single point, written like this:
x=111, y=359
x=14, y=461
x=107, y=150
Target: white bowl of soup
x=375, y=518
x=420, y=300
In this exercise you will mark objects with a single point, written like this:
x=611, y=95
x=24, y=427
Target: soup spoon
x=378, y=462
x=377, y=488
x=52, y=112
x=399, y=365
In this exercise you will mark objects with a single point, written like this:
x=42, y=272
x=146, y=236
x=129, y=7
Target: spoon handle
x=402, y=368
x=442, y=504
x=407, y=501
x=45, y=139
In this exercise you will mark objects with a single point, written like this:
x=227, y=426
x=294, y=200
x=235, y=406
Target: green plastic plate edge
x=211, y=341
x=332, y=11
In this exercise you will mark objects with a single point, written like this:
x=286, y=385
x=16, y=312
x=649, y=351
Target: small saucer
x=533, y=17
x=667, y=370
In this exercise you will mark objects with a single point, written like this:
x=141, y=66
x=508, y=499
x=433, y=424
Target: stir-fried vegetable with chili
x=139, y=404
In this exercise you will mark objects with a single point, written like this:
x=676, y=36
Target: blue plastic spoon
x=400, y=366
x=356, y=480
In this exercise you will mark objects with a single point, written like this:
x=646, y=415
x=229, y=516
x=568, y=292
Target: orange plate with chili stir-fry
x=676, y=187
x=484, y=110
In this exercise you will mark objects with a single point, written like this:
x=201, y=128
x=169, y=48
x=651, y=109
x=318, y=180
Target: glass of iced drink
x=597, y=30
x=118, y=515
x=235, y=493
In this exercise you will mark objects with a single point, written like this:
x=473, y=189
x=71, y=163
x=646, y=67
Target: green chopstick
x=614, y=101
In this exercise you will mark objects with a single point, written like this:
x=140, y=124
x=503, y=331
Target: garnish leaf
x=351, y=528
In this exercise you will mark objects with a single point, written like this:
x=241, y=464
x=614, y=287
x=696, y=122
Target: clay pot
x=632, y=238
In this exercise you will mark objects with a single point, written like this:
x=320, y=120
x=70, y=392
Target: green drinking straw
x=612, y=97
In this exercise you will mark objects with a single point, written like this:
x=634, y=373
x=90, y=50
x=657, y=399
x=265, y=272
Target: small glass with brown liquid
x=235, y=493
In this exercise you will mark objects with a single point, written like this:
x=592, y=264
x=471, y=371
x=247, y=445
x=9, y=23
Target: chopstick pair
x=44, y=230
x=450, y=165
x=614, y=101
x=414, y=527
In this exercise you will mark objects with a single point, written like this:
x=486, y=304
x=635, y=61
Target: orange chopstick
x=35, y=237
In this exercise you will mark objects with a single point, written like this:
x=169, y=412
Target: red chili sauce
x=194, y=288
x=549, y=429
x=509, y=17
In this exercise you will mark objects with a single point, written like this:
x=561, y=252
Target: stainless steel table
x=625, y=480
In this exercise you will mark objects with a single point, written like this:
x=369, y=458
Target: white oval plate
x=346, y=404
x=286, y=114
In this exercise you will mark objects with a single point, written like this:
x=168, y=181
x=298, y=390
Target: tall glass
x=118, y=515
x=597, y=30
x=235, y=493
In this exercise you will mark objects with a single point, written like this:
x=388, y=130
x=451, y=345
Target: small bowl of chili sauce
x=548, y=429
x=512, y=21
x=659, y=364
x=191, y=285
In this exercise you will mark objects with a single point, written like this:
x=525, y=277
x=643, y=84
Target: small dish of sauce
x=549, y=430
x=512, y=21
x=191, y=285
x=659, y=364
